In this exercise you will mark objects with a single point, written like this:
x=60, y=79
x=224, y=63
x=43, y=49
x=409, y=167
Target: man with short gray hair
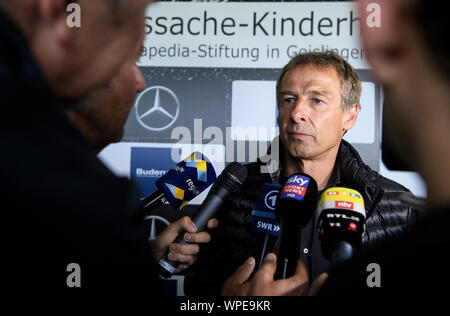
x=318, y=102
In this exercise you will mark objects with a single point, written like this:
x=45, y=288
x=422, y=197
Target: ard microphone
x=263, y=216
x=228, y=182
x=294, y=209
x=182, y=183
x=341, y=215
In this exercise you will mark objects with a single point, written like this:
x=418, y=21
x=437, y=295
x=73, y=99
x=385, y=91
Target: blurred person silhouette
x=410, y=58
x=66, y=216
x=102, y=115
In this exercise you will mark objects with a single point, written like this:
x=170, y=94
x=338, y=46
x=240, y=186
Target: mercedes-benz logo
x=154, y=232
x=157, y=108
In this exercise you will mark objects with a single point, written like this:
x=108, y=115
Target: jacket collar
x=351, y=170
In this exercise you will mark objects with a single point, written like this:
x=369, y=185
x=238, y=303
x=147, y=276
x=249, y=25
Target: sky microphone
x=228, y=182
x=341, y=223
x=182, y=183
x=294, y=209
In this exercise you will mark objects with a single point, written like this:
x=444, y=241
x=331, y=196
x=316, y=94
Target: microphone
x=294, y=209
x=341, y=221
x=182, y=183
x=228, y=182
x=263, y=216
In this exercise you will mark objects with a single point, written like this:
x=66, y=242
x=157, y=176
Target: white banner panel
x=249, y=35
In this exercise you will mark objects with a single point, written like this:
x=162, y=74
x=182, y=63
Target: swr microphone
x=228, y=182
x=182, y=183
x=294, y=209
x=341, y=215
x=263, y=216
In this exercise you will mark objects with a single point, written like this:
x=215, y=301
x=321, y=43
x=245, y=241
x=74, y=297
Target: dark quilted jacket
x=233, y=241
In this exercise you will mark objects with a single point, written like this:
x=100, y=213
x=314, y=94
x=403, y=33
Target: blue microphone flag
x=187, y=180
x=263, y=216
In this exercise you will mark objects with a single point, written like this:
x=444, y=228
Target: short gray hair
x=350, y=81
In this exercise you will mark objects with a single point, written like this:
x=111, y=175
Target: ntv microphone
x=182, y=183
x=341, y=215
x=228, y=182
x=294, y=209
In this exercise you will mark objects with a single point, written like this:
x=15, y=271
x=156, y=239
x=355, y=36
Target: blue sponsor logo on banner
x=263, y=216
x=148, y=165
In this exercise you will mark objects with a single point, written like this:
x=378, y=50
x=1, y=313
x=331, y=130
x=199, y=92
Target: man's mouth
x=298, y=135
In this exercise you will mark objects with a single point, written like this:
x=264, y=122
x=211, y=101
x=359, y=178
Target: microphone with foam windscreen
x=341, y=223
x=294, y=209
x=228, y=182
x=182, y=183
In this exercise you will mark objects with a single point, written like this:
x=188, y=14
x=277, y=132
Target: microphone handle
x=154, y=200
x=288, y=251
x=205, y=212
x=342, y=251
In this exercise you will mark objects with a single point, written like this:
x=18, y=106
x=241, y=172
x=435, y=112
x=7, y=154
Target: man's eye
x=317, y=101
x=289, y=100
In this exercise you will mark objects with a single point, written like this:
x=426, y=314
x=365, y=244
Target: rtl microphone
x=228, y=182
x=294, y=209
x=182, y=183
x=263, y=216
x=341, y=215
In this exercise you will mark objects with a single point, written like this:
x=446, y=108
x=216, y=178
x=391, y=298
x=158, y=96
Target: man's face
x=310, y=117
x=111, y=105
x=109, y=35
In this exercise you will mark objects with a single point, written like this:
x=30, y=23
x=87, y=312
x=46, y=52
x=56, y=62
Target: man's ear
x=350, y=116
x=53, y=13
x=383, y=35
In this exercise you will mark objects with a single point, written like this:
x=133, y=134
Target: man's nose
x=300, y=111
x=139, y=78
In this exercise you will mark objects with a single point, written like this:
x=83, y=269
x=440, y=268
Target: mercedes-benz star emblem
x=154, y=232
x=157, y=108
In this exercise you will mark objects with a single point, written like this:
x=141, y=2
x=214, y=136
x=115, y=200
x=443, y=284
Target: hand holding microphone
x=263, y=283
x=186, y=254
x=285, y=274
x=177, y=187
x=228, y=182
x=341, y=225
